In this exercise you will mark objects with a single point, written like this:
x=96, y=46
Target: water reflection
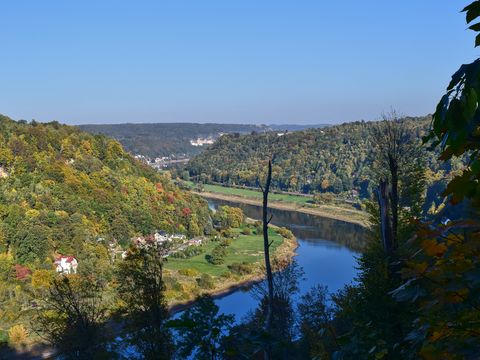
x=327, y=253
x=308, y=227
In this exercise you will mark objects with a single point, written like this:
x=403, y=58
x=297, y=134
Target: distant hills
x=178, y=140
x=335, y=159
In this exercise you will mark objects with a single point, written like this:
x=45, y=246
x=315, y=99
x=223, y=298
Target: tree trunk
x=385, y=228
x=266, y=249
x=394, y=199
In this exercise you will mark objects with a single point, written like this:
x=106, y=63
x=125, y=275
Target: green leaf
x=457, y=76
x=472, y=10
x=477, y=40
x=471, y=103
x=475, y=27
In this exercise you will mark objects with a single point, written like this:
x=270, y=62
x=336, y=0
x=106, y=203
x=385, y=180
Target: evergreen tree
x=141, y=289
x=201, y=330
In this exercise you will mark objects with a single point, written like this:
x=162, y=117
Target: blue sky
x=248, y=61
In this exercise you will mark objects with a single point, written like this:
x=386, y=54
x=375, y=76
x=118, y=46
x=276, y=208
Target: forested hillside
x=334, y=159
x=62, y=188
x=173, y=139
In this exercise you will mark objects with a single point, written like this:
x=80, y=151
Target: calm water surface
x=327, y=253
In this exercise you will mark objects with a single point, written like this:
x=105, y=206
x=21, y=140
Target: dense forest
x=335, y=159
x=173, y=139
x=61, y=188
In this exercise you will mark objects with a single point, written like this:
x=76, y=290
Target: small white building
x=202, y=141
x=161, y=237
x=195, y=242
x=66, y=264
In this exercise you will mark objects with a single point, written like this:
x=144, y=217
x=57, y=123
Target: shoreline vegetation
x=352, y=216
x=229, y=287
x=223, y=286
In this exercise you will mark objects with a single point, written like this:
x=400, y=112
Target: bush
x=206, y=282
x=228, y=233
x=188, y=288
x=246, y=231
x=171, y=284
x=226, y=243
x=17, y=335
x=188, y=272
x=218, y=255
x=3, y=338
x=243, y=268
x=42, y=278
x=258, y=227
x=325, y=198
x=284, y=232
x=189, y=252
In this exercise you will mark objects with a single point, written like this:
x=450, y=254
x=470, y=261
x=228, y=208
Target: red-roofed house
x=66, y=264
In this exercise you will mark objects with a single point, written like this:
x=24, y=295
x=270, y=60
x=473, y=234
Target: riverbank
x=329, y=211
x=282, y=255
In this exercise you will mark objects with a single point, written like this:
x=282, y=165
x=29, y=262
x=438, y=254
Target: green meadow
x=245, y=248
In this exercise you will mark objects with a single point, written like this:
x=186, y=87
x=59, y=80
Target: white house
x=195, y=242
x=161, y=237
x=66, y=264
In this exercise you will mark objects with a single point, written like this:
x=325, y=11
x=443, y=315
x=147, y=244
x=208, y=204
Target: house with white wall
x=66, y=264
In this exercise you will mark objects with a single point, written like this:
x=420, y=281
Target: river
x=327, y=253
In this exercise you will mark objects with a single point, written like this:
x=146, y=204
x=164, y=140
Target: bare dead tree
x=385, y=227
x=395, y=150
x=266, y=249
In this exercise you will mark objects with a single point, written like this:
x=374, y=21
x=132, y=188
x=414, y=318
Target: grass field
x=245, y=248
x=249, y=193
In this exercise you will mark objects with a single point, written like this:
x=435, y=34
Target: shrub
x=226, y=243
x=228, y=233
x=171, y=295
x=258, y=228
x=206, y=281
x=188, y=288
x=17, y=335
x=243, y=268
x=226, y=275
x=246, y=231
x=218, y=255
x=285, y=233
x=324, y=198
x=189, y=252
x=3, y=338
x=42, y=278
x=171, y=284
x=188, y=272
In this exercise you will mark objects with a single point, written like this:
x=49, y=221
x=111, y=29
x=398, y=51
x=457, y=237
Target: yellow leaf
x=433, y=248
